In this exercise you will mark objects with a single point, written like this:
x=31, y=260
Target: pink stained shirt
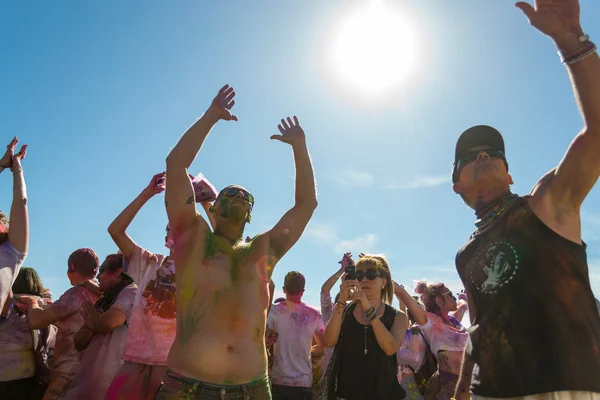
x=68, y=309
x=152, y=324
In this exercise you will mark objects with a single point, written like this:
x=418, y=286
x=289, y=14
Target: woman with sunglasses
x=366, y=334
x=444, y=333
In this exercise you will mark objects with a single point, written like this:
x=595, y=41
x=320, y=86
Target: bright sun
x=374, y=48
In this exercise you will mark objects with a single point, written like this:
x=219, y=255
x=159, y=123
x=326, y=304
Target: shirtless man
x=222, y=280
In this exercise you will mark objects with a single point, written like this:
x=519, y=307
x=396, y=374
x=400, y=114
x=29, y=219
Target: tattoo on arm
x=190, y=200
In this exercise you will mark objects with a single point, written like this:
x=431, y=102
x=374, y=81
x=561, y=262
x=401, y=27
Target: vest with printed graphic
x=537, y=328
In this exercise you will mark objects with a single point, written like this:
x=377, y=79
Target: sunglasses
x=450, y=293
x=472, y=156
x=234, y=191
x=371, y=274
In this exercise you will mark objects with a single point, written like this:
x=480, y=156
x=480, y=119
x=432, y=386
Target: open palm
x=552, y=17
x=223, y=103
x=291, y=131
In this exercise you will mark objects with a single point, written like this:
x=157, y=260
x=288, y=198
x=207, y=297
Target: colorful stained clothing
x=11, y=261
x=16, y=344
x=409, y=361
x=177, y=386
x=537, y=328
x=136, y=381
x=151, y=330
x=443, y=337
x=152, y=325
x=68, y=309
x=296, y=324
x=103, y=356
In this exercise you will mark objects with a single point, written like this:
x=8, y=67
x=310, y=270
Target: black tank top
x=537, y=328
x=371, y=375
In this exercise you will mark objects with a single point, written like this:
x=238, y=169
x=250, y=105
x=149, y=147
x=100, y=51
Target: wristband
x=588, y=49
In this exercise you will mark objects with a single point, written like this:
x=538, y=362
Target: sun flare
x=374, y=48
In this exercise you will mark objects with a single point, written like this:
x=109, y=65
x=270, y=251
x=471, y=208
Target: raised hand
x=157, y=184
x=555, y=18
x=15, y=166
x=6, y=160
x=223, y=103
x=462, y=295
x=347, y=260
x=291, y=131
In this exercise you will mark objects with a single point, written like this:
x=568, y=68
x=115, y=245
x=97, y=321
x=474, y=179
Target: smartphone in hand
x=350, y=271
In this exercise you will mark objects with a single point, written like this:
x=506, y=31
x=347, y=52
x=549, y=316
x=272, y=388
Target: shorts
x=176, y=386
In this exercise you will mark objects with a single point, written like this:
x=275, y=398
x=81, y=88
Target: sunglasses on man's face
x=472, y=156
x=371, y=274
x=231, y=192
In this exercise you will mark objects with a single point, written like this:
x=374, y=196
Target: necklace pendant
x=366, y=351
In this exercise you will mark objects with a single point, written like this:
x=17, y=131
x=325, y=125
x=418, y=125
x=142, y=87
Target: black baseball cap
x=478, y=135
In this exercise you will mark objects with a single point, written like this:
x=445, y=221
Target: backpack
x=430, y=365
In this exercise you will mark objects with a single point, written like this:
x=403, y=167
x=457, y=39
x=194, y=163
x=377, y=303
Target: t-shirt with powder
x=408, y=358
x=16, y=344
x=68, y=310
x=152, y=325
x=103, y=356
x=443, y=337
x=295, y=323
x=11, y=261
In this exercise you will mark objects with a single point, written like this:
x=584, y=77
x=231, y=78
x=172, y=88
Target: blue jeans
x=176, y=386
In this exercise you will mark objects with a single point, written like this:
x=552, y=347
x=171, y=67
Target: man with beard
x=536, y=330
x=152, y=323
x=222, y=280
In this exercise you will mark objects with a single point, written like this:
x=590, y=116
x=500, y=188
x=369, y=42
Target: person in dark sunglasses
x=366, y=334
x=525, y=267
x=222, y=280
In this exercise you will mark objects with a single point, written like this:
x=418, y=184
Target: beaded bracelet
x=582, y=53
x=372, y=317
x=588, y=53
x=371, y=314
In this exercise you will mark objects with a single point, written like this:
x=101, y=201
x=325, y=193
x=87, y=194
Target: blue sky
x=102, y=90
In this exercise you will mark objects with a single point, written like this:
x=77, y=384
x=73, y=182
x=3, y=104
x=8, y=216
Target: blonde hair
x=380, y=263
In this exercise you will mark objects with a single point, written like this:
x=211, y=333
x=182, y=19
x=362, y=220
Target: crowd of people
x=198, y=322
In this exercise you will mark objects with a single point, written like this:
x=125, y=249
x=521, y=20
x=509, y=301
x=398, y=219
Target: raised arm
x=289, y=229
x=179, y=198
x=346, y=260
x=18, y=232
x=566, y=186
x=334, y=325
x=462, y=306
x=118, y=228
x=413, y=307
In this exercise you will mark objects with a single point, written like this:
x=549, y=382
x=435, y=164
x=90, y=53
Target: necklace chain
x=494, y=215
x=367, y=326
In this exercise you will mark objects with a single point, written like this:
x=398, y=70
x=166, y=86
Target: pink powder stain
x=115, y=387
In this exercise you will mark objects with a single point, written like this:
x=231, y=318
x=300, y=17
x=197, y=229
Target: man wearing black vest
x=535, y=327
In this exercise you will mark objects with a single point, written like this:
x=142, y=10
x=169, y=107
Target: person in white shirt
x=296, y=324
